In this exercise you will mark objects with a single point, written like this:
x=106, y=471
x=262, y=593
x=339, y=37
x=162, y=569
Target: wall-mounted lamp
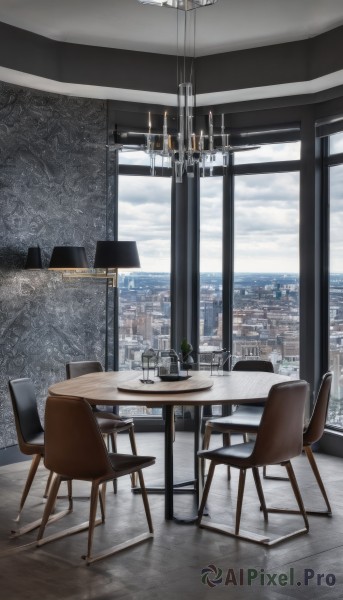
x=34, y=258
x=72, y=260
x=112, y=256
x=68, y=257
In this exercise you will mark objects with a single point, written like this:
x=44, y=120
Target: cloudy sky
x=266, y=216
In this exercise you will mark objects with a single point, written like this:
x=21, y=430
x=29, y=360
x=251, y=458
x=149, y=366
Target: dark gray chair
x=246, y=418
x=30, y=436
x=84, y=457
x=278, y=440
x=110, y=424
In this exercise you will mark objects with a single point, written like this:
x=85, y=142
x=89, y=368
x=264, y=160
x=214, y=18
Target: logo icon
x=211, y=576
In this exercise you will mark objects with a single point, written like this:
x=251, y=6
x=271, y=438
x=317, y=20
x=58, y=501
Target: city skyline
x=265, y=323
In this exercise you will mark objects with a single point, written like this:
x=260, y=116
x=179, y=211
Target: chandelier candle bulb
x=165, y=151
x=224, y=137
x=201, y=142
x=210, y=131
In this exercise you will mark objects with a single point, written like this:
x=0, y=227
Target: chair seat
x=35, y=444
x=109, y=425
x=247, y=419
x=127, y=463
x=113, y=417
x=233, y=455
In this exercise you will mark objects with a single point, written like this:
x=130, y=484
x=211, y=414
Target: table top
x=235, y=387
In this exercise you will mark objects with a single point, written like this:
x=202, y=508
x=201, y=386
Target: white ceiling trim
x=273, y=91
x=85, y=91
x=106, y=93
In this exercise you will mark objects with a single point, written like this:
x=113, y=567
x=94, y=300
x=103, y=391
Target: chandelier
x=180, y=4
x=186, y=148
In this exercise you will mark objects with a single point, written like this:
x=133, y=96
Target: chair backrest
x=82, y=367
x=25, y=410
x=280, y=434
x=254, y=365
x=317, y=422
x=74, y=445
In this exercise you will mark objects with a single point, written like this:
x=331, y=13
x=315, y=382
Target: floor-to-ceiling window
x=266, y=259
x=144, y=301
x=335, y=412
x=211, y=227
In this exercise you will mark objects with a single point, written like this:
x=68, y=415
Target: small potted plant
x=186, y=358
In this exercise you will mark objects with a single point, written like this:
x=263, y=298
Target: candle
x=201, y=141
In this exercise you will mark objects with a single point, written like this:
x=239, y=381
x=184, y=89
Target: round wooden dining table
x=125, y=388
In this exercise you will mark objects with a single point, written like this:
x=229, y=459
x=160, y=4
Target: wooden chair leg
x=129, y=543
x=46, y=492
x=241, y=485
x=250, y=536
x=113, y=438
x=206, y=491
x=145, y=501
x=206, y=438
x=92, y=516
x=260, y=493
x=314, y=467
x=297, y=493
x=102, y=500
x=205, y=446
x=134, y=451
x=51, y=518
x=55, y=485
x=31, y=475
x=227, y=442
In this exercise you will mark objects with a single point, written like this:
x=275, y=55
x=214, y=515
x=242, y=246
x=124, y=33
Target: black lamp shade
x=68, y=257
x=116, y=255
x=34, y=258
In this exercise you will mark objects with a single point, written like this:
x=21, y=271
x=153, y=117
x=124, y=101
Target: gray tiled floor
x=170, y=566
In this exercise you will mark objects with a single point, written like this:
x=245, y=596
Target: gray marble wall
x=53, y=191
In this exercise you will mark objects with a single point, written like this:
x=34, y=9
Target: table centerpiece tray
x=174, y=386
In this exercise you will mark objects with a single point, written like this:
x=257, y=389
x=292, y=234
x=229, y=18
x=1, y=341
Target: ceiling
x=226, y=26
x=229, y=25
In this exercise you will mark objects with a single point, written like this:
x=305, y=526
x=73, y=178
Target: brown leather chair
x=246, y=418
x=279, y=438
x=311, y=435
x=30, y=435
x=84, y=457
x=110, y=424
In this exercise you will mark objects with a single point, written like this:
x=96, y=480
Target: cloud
x=336, y=211
x=266, y=221
x=269, y=153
